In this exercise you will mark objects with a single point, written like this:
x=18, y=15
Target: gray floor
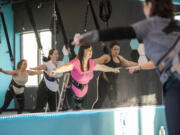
x=10, y=113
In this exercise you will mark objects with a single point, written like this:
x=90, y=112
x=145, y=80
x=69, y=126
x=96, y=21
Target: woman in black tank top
x=107, y=81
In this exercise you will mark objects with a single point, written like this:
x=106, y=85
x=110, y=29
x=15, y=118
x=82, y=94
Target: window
x=31, y=53
x=177, y=17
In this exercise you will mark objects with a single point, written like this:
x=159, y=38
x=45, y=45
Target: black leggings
x=73, y=102
x=9, y=96
x=106, y=90
x=172, y=107
x=44, y=95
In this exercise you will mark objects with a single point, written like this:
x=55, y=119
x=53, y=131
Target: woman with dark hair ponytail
x=82, y=68
x=17, y=85
x=49, y=86
x=107, y=82
x=157, y=42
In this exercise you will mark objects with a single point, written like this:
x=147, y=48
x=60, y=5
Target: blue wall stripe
x=94, y=122
x=4, y=55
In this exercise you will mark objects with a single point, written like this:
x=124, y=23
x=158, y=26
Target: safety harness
x=51, y=79
x=76, y=84
x=169, y=64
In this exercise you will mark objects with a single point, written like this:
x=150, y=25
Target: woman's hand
x=32, y=68
x=116, y=70
x=133, y=69
x=88, y=37
x=77, y=40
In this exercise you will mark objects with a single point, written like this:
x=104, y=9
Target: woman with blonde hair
x=17, y=85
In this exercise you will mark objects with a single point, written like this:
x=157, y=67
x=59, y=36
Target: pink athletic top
x=81, y=77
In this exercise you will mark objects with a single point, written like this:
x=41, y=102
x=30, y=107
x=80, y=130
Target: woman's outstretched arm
x=116, y=33
x=102, y=59
x=146, y=66
x=127, y=63
x=40, y=67
x=61, y=69
x=104, y=68
x=13, y=72
x=38, y=72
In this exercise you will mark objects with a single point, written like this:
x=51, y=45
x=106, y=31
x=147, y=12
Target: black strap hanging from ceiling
x=104, y=47
x=55, y=29
x=7, y=38
x=86, y=18
x=54, y=25
x=105, y=10
x=59, y=25
x=32, y=21
x=94, y=15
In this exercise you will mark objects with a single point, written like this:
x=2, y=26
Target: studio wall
x=5, y=62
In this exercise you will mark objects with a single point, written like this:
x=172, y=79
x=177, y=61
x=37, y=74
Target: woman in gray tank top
x=157, y=42
x=49, y=86
x=17, y=85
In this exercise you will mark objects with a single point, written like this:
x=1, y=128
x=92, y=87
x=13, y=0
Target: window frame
x=39, y=53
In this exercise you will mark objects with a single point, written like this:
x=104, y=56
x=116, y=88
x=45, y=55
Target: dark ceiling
x=3, y=2
x=38, y=3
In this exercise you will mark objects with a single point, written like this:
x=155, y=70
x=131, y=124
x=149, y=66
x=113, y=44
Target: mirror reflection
x=45, y=73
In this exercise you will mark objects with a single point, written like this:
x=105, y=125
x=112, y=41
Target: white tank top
x=19, y=79
x=53, y=86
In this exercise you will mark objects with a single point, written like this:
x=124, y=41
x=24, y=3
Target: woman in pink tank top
x=81, y=68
